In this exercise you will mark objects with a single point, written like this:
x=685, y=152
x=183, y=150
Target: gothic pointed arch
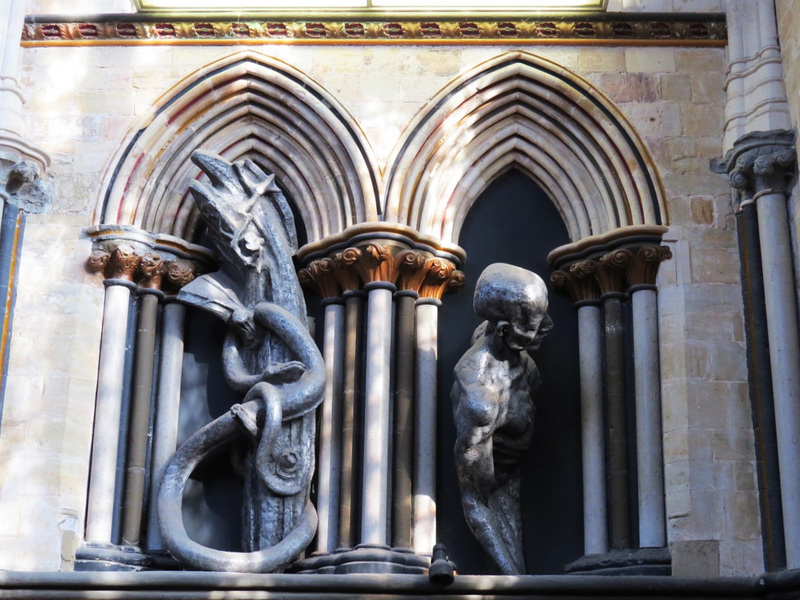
x=244, y=106
x=520, y=111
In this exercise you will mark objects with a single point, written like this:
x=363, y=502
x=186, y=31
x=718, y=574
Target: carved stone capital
x=578, y=281
x=609, y=263
x=320, y=276
x=440, y=276
x=610, y=271
x=122, y=263
x=763, y=162
x=25, y=189
x=150, y=261
x=643, y=266
x=150, y=271
x=180, y=272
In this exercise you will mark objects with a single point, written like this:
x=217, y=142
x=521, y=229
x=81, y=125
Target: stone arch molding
x=516, y=110
x=245, y=105
x=522, y=111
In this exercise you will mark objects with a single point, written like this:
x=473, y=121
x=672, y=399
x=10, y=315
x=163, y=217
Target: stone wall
x=788, y=23
x=673, y=97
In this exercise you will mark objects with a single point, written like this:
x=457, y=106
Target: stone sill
x=203, y=585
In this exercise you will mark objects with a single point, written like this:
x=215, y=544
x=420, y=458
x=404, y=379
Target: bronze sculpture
x=493, y=407
x=269, y=357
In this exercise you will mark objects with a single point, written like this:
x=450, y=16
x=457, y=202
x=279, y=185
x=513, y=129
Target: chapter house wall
x=673, y=98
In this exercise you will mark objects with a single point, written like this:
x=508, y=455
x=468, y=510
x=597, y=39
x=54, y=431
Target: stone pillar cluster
x=138, y=388
x=23, y=187
x=604, y=274
x=377, y=452
x=762, y=169
x=760, y=160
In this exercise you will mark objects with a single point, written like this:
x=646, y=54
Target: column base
x=364, y=558
x=634, y=561
x=110, y=557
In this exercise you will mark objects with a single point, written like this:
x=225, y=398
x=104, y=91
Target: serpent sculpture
x=269, y=357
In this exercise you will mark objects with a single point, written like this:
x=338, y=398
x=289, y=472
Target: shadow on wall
x=514, y=221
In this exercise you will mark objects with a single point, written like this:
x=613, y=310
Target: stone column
x=178, y=272
x=610, y=269
x=377, y=395
x=134, y=260
x=151, y=270
x=761, y=167
x=579, y=283
x=610, y=275
x=641, y=276
x=120, y=263
x=321, y=277
x=393, y=439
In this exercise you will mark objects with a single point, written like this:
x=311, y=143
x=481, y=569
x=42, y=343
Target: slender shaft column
x=403, y=428
x=650, y=461
x=609, y=273
x=617, y=426
x=108, y=405
x=330, y=429
x=761, y=165
x=12, y=227
x=140, y=417
x=377, y=415
x=165, y=434
x=425, y=419
x=784, y=345
x=579, y=282
x=351, y=429
x=761, y=386
x=590, y=348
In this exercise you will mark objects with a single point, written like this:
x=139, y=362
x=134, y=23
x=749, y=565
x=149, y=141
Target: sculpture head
x=514, y=302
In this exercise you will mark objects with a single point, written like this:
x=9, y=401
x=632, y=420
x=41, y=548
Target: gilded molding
x=588, y=29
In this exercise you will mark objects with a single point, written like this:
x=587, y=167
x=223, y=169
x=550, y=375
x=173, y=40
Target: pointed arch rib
x=521, y=111
x=245, y=105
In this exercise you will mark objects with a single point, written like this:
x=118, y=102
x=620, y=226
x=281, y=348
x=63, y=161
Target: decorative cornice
x=710, y=30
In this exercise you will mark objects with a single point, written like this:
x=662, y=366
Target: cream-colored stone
x=676, y=87
x=650, y=60
x=609, y=60
x=700, y=119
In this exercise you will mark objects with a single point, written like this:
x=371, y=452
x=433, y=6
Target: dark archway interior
x=515, y=222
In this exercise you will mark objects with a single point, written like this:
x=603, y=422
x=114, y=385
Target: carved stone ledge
x=150, y=261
